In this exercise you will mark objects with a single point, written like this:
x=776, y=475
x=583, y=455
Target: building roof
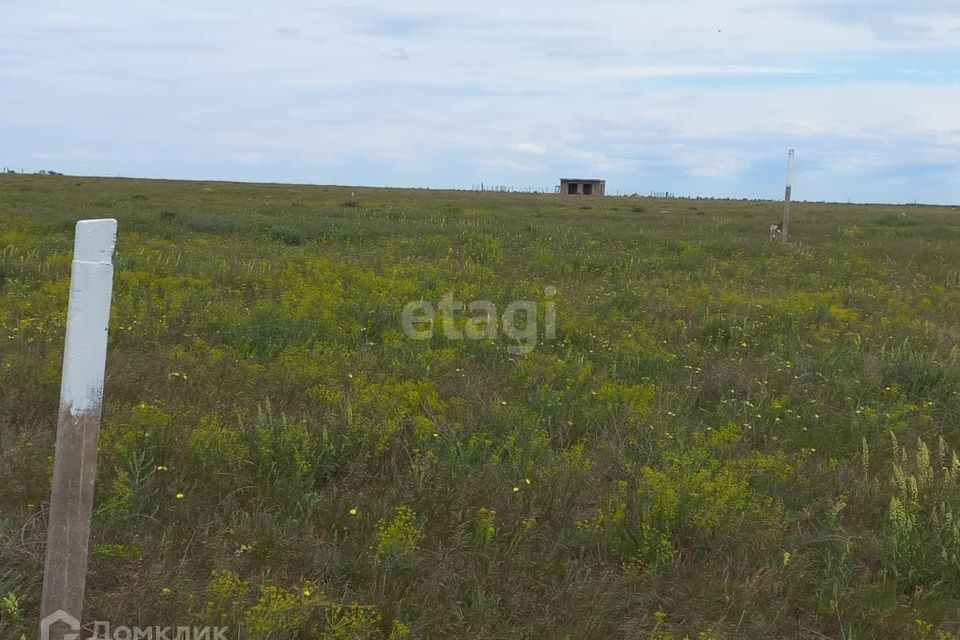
x=582, y=180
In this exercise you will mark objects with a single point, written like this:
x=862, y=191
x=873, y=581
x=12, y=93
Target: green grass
x=729, y=438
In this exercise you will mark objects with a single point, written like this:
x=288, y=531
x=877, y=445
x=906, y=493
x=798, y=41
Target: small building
x=583, y=187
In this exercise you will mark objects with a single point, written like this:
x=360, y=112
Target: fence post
x=78, y=426
x=787, y=196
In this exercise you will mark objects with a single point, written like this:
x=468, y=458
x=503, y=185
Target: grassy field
x=727, y=438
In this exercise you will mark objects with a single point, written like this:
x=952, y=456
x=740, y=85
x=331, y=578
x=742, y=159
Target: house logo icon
x=59, y=619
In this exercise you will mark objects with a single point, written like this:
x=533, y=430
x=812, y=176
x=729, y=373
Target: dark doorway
x=587, y=189
x=572, y=188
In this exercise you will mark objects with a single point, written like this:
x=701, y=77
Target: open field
x=728, y=438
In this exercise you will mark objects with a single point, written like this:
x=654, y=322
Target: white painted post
x=786, y=197
x=78, y=425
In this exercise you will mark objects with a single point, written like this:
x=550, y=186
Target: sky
x=694, y=97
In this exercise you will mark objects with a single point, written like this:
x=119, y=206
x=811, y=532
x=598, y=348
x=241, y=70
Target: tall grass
x=728, y=438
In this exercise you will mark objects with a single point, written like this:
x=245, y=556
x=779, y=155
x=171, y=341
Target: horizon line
x=512, y=191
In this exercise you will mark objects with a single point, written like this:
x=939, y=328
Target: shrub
x=921, y=536
x=287, y=235
x=397, y=540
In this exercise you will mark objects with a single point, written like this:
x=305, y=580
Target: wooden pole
x=786, y=197
x=78, y=425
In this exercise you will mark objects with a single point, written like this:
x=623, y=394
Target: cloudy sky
x=697, y=97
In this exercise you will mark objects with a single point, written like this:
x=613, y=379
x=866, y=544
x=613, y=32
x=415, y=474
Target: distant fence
x=501, y=188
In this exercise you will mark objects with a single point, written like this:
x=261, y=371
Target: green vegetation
x=729, y=438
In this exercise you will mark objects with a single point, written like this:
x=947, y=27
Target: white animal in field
x=776, y=232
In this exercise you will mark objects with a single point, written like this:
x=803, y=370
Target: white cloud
x=710, y=163
x=70, y=21
x=249, y=158
x=690, y=70
x=527, y=148
x=933, y=29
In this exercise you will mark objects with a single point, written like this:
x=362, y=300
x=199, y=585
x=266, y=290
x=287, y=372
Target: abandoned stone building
x=582, y=187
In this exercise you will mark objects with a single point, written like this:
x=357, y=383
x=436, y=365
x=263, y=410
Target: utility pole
x=786, y=198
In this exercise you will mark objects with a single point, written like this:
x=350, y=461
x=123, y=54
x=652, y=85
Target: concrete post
x=78, y=426
x=787, y=196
